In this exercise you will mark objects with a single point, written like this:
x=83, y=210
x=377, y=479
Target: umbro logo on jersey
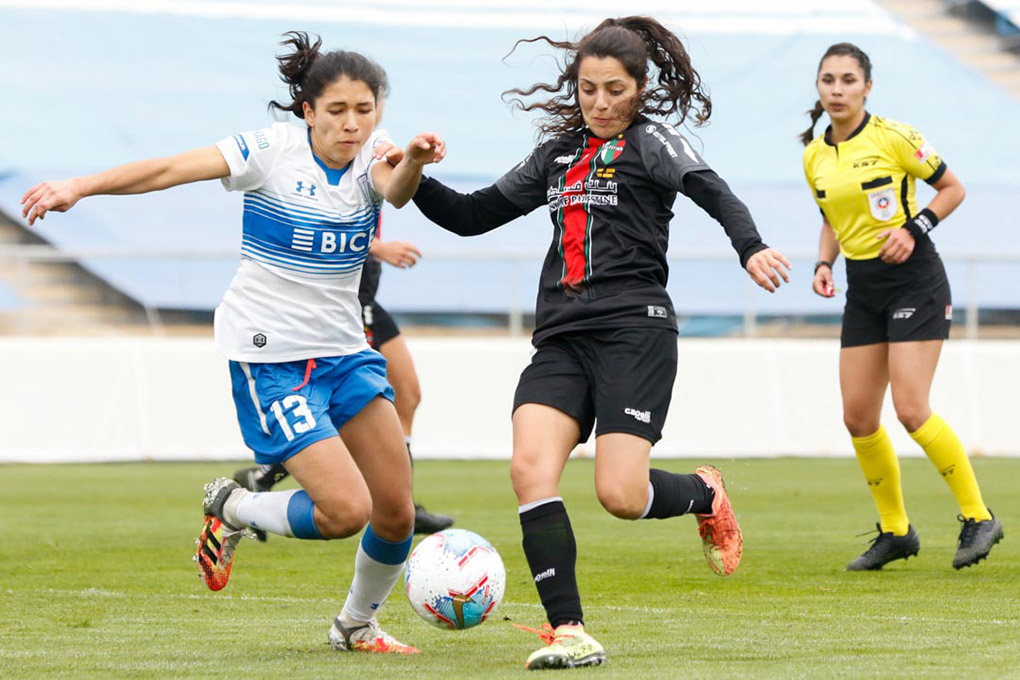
x=904, y=313
x=301, y=187
x=643, y=416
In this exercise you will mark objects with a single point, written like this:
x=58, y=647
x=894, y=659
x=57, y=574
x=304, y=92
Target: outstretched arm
x=133, y=178
x=763, y=264
x=464, y=214
x=398, y=184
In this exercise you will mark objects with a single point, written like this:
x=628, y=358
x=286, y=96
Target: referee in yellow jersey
x=898, y=305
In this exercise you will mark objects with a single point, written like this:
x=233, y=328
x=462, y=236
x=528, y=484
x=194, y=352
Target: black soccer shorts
x=617, y=380
x=907, y=302
x=380, y=327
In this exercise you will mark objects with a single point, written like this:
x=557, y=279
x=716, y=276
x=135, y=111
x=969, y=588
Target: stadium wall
x=117, y=399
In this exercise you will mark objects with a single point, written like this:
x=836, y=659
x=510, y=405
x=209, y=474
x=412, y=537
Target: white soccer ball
x=454, y=579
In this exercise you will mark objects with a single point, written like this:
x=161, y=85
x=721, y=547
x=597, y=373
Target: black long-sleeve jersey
x=610, y=201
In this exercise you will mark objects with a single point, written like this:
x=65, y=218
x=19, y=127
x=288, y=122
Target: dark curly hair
x=307, y=71
x=634, y=41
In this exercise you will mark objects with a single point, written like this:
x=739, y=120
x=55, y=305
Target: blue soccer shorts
x=283, y=408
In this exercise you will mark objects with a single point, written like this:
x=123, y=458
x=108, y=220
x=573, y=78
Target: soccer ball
x=454, y=579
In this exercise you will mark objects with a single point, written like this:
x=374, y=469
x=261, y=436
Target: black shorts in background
x=380, y=327
x=907, y=302
x=621, y=379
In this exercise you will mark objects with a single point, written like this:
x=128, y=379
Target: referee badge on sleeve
x=883, y=204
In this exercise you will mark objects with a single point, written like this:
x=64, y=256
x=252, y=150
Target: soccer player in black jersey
x=898, y=310
x=605, y=341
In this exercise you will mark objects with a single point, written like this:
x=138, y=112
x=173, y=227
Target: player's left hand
x=898, y=247
x=428, y=147
x=400, y=254
x=766, y=267
x=391, y=153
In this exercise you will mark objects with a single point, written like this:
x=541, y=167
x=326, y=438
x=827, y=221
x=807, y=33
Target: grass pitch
x=96, y=582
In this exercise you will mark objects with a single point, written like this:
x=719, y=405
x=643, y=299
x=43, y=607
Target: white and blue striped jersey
x=307, y=229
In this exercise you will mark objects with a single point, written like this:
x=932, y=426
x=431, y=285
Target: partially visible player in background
x=384, y=336
x=606, y=336
x=898, y=306
x=309, y=392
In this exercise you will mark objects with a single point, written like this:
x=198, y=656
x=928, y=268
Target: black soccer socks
x=674, y=494
x=552, y=555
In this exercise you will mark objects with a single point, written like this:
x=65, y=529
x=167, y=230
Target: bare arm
x=133, y=178
x=398, y=184
x=949, y=197
x=828, y=251
x=900, y=242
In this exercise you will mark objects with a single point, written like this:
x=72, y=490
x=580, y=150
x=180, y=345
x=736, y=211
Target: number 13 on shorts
x=293, y=414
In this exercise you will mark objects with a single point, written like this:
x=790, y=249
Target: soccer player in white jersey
x=290, y=324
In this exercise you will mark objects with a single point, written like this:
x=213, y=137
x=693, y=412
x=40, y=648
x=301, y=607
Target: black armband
x=822, y=263
x=921, y=224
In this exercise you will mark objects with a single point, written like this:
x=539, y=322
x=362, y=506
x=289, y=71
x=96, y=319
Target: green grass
x=96, y=582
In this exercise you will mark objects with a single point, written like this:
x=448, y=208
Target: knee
x=859, y=425
x=411, y=395
x=530, y=482
x=395, y=523
x=912, y=417
x=342, y=519
x=622, y=502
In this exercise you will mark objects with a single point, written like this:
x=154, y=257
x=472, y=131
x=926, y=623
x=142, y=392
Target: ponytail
x=307, y=71
x=815, y=114
x=843, y=49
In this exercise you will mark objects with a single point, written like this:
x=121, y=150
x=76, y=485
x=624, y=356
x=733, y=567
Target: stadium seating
x=178, y=78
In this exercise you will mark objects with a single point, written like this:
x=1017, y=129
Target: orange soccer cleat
x=720, y=532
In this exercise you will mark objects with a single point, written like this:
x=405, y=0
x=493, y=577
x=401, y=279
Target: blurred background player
x=606, y=335
x=289, y=324
x=898, y=304
x=383, y=335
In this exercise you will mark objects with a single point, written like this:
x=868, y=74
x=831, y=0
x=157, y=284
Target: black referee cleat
x=976, y=540
x=427, y=523
x=885, y=548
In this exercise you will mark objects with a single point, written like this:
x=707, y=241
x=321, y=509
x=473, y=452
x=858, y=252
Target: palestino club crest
x=611, y=150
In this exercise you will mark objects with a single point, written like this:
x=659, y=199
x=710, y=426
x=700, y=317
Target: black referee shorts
x=618, y=379
x=907, y=302
x=380, y=327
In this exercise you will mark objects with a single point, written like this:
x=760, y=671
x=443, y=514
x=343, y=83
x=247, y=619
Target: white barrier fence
x=76, y=400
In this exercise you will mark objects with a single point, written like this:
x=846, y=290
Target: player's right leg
x=400, y=372
x=863, y=379
x=543, y=439
x=283, y=413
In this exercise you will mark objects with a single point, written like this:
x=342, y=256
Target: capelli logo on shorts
x=259, y=340
x=656, y=312
x=643, y=416
x=904, y=313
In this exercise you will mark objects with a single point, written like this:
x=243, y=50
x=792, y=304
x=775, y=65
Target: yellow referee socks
x=878, y=460
x=946, y=453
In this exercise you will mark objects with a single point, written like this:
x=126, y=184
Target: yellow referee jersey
x=865, y=184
